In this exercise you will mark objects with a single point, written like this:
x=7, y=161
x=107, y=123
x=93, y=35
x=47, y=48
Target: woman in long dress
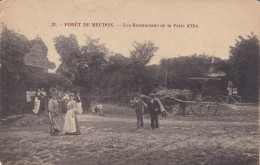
x=37, y=102
x=55, y=116
x=71, y=123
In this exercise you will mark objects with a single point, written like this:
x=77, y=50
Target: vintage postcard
x=129, y=82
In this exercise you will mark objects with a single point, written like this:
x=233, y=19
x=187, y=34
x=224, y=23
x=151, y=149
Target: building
x=37, y=58
x=13, y=96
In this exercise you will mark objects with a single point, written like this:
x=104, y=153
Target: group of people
x=153, y=105
x=60, y=124
x=67, y=123
x=61, y=108
x=97, y=108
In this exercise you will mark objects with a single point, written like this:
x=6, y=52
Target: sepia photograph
x=129, y=82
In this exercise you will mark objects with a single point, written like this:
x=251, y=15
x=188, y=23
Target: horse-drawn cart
x=201, y=101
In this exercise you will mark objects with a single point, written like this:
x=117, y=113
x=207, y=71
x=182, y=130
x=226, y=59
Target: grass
x=117, y=110
x=112, y=140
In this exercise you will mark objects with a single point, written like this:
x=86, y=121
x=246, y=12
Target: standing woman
x=71, y=123
x=55, y=116
x=37, y=102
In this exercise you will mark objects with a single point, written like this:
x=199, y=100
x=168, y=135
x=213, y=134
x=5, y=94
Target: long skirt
x=71, y=123
x=56, y=123
x=36, y=106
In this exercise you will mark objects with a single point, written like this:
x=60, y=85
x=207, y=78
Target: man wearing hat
x=138, y=104
x=154, y=108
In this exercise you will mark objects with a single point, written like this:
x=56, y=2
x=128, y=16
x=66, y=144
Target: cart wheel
x=184, y=109
x=175, y=109
x=168, y=110
x=202, y=110
x=188, y=109
x=208, y=105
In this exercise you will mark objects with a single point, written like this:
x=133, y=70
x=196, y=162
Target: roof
x=37, y=58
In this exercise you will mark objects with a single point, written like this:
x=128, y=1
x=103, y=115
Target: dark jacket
x=137, y=105
x=77, y=99
x=152, y=106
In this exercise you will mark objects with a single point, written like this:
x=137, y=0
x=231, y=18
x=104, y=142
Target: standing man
x=65, y=100
x=138, y=104
x=43, y=100
x=154, y=108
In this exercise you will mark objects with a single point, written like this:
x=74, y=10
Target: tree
x=13, y=47
x=83, y=65
x=37, y=76
x=151, y=79
x=244, y=66
x=94, y=53
x=118, y=81
x=78, y=61
x=93, y=62
x=140, y=56
x=166, y=67
x=118, y=62
x=69, y=51
x=176, y=70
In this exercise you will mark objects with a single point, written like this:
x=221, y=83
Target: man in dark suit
x=154, y=108
x=42, y=97
x=138, y=104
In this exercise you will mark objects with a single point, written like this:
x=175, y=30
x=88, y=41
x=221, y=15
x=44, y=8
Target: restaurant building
x=16, y=99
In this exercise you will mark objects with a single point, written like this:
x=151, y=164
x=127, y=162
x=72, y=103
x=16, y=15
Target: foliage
x=13, y=48
x=69, y=51
x=176, y=70
x=140, y=56
x=142, y=53
x=83, y=65
x=100, y=73
x=107, y=76
x=93, y=54
x=244, y=66
x=16, y=77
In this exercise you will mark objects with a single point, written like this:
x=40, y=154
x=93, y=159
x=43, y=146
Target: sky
x=218, y=23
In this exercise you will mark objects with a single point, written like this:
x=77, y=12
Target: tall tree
x=244, y=66
x=13, y=47
x=118, y=80
x=140, y=56
x=83, y=65
x=69, y=51
x=93, y=61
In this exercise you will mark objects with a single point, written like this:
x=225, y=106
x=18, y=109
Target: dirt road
x=114, y=140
